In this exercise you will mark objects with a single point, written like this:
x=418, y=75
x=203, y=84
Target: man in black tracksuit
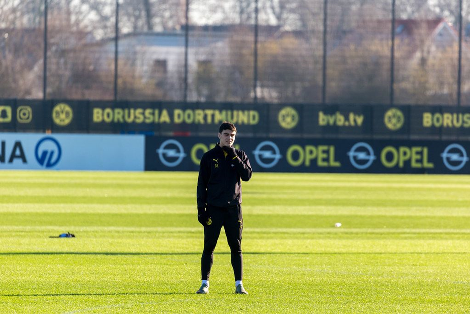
x=219, y=197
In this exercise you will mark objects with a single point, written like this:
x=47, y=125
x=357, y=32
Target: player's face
x=227, y=138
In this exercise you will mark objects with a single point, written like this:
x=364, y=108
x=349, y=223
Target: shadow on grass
x=104, y=253
x=94, y=294
x=225, y=253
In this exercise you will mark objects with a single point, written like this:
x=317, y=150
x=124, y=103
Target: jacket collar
x=219, y=150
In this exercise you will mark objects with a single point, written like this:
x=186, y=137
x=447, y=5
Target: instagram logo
x=24, y=114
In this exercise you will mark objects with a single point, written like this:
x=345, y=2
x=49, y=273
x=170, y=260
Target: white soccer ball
x=338, y=224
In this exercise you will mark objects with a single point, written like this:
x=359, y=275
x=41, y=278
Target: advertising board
x=317, y=155
x=71, y=152
x=257, y=120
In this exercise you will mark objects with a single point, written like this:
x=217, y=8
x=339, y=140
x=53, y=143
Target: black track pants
x=231, y=219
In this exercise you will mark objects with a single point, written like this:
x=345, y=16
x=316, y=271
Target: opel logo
x=171, y=153
x=361, y=155
x=267, y=154
x=454, y=157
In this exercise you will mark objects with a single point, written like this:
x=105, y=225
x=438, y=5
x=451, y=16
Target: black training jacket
x=219, y=178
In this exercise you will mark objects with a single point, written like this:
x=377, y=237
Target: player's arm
x=241, y=162
x=202, y=181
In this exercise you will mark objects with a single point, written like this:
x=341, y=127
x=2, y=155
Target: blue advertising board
x=71, y=152
x=317, y=155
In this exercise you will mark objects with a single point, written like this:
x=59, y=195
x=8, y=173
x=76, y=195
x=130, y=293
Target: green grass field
x=404, y=246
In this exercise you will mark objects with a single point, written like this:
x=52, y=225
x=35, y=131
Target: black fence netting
x=335, y=52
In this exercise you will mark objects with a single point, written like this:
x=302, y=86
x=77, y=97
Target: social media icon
x=5, y=114
x=24, y=114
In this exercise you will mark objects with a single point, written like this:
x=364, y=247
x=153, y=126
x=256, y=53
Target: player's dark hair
x=227, y=126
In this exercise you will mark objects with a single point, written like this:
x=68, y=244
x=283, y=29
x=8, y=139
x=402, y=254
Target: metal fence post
x=116, y=52
x=459, y=70
x=325, y=33
x=44, y=82
x=255, y=57
x=392, y=57
x=186, y=52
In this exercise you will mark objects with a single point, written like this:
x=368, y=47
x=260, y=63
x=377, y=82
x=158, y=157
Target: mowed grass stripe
x=258, y=220
x=147, y=182
x=364, y=209
x=289, y=202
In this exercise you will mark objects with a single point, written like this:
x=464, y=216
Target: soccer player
x=219, y=197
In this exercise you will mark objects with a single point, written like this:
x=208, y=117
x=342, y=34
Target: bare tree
x=359, y=74
x=148, y=15
x=238, y=70
x=298, y=15
x=246, y=11
x=21, y=14
x=20, y=76
x=289, y=70
x=278, y=10
x=420, y=57
x=448, y=9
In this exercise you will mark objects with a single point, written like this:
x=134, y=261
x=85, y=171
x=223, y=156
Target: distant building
x=155, y=61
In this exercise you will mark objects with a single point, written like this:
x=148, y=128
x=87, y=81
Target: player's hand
x=230, y=151
x=203, y=216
